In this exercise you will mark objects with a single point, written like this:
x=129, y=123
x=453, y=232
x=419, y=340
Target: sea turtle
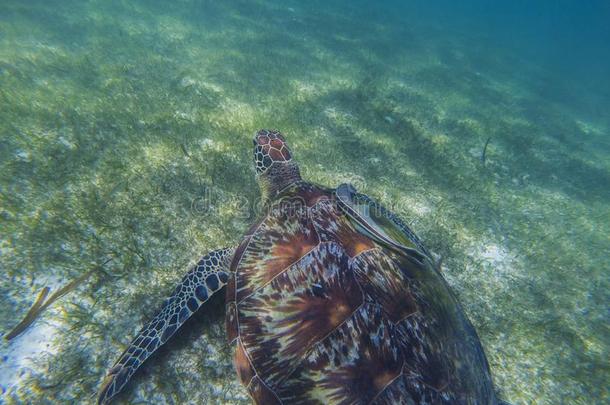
x=330, y=299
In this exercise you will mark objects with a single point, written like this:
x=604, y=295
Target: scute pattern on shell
x=284, y=319
x=351, y=365
x=280, y=241
x=323, y=314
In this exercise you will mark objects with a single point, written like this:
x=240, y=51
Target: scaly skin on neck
x=279, y=176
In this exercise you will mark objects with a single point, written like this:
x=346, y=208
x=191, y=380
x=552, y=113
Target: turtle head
x=275, y=168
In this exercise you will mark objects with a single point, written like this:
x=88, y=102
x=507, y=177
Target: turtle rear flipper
x=208, y=276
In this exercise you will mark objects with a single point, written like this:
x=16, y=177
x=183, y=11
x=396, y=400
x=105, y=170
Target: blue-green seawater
x=125, y=134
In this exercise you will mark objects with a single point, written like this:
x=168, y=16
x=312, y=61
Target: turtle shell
x=321, y=313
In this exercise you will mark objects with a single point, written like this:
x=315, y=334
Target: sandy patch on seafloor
x=19, y=355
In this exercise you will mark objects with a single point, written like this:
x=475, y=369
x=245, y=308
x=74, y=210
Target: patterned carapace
x=330, y=299
x=323, y=314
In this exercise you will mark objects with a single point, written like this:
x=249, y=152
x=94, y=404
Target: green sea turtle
x=330, y=299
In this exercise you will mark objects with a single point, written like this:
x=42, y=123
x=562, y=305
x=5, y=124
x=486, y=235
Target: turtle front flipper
x=379, y=223
x=208, y=276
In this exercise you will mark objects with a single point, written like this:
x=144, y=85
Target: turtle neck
x=276, y=178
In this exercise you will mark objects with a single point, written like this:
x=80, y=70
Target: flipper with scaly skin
x=208, y=276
